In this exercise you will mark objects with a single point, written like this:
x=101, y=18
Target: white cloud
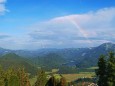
x=3, y=7
x=2, y=1
x=78, y=30
x=92, y=28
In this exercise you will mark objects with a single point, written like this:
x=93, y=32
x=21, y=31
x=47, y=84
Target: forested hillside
x=15, y=61
x=80, y=57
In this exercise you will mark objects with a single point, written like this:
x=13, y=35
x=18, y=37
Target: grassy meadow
x=69, y=77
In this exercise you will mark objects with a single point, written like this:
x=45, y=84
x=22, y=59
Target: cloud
x=4, y=36
x=77, y=30
x=3, y=7
x=2, y=1
x=90, y=29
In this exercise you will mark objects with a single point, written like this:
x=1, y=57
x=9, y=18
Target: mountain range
x=79, y=57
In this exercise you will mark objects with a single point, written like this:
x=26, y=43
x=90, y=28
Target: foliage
x=51, y=82
x=62, y=82
x=49, y=61
x=41, y=78
x=11, y=77
x=23, y=77
x=16, y=61
x=56, y=80
x=1, y=77
x=106, y=71
x=111, y=70
x=101, y=72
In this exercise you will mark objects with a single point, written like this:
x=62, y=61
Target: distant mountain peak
x=11, y=55
x=108, y=44
x=106, y=47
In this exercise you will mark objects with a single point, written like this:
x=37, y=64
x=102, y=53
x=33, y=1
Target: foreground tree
x=56, y=80
x=111, y=70
x=1, y=77
x=106, y=70
x=101, y=71
x=63, y=82
x=51, y=82
x=23, y=78
x=41, y=79
x=13, y=81
x=11, y=78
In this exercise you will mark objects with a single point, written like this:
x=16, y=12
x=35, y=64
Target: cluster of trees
x=52, y=80
x=48, y=61
x=13, y=77
x=56, y=82
x=18, y=77
x=106, y=70
x=41, y=78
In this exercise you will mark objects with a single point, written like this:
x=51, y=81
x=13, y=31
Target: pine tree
x=23, y=77
x=101, y=71
x=62, y=82
x=51, y=82
x=10, y=77
x=13, y=81
x=41, y=79
x=111, y=70
x=5, y=82
x=1, y=76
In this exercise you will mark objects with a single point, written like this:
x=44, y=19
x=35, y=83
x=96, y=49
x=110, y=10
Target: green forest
x=19, y=76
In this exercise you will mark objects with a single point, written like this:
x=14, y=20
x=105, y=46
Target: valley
x=73, y=64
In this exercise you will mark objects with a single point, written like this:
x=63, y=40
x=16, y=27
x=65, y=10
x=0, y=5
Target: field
x=72, y=77
x=93, y=68
x=69, y=77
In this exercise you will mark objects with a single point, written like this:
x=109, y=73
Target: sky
x=35, y=24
